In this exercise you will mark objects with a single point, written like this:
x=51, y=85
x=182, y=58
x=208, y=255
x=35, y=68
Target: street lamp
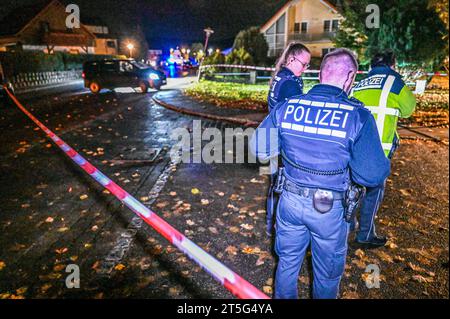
x=130, y=47
x=208, y=32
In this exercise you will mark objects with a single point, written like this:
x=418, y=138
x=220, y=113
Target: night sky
x=167, y=23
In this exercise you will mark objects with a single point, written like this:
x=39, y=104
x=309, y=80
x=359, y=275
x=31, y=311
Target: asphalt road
x=52, y=214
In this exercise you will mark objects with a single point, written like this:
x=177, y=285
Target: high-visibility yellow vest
x=384, y=93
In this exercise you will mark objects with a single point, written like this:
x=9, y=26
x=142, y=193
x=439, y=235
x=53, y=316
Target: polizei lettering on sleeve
x=314, y=117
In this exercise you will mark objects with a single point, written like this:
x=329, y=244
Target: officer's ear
x=351, y=75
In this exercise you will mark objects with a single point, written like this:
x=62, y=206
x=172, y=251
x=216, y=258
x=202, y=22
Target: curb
x=229, y=119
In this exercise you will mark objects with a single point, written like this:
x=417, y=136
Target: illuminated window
x=275, y=36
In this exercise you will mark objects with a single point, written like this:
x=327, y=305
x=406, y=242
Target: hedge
x=15, y=63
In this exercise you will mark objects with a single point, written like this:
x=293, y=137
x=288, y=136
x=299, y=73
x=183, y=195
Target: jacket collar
x=287, y=71
x=326, y=89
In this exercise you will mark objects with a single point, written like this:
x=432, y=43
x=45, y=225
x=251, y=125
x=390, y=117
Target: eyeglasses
x=305, y=65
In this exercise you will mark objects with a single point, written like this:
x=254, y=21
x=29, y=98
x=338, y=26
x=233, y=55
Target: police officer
x=287, y=80
x=386, y=95
x=326, y=141
x=285, y=83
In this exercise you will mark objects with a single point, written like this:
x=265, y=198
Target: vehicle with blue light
x=114, y=73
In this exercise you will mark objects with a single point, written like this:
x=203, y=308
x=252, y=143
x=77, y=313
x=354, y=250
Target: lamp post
x=208, y=32
x=130, y=47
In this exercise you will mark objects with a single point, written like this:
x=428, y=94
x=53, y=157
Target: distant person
x=327, y=141
x=385, y=94
x=285, y=83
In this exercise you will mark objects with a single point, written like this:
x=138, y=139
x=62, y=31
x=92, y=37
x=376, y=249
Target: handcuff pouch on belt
x=352, y=200
x=279, y=182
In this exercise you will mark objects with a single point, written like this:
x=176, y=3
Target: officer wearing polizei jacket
x=287, y=80
x=386, y=95
x=285, y=83
x=326, y=140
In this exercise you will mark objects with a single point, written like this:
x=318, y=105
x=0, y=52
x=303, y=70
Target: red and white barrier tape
x=229, y=279
x=257, y=68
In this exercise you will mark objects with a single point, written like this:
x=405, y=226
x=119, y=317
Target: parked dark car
x=114, y=73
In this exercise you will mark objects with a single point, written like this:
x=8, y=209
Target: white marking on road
x=125, y=239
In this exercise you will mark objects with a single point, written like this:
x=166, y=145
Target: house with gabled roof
x=42, y=27
x=312, y=22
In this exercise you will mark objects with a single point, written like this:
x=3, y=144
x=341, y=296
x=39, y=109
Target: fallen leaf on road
x=174, y=291
x=59, y=267
x=195, y=191
x=255, y=181
x=405, y=192
x=205, y=202
x=45, y=287
x=384, y=256
x=260, y=260
x=233, y=229
x=144, y=198
x=2, y=265
x=63, y=229
x=359, y=253
x=231, y=250
x=267, y=289
x=61, y=250
x=359, y=263
x=120, y=267
x=83, y=197
x=49, y=220
x=422, y=279
x=173, y=193
x=25, y=205
x=416, y=268
x=190, y=222
x=350, y=295
x=213, y=230
x=391, y=245
x=162, y=204
x=21, y=290
x=247, y=226
x=17, y=247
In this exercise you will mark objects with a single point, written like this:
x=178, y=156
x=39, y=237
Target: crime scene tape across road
x=256, y=68
x=229, y=279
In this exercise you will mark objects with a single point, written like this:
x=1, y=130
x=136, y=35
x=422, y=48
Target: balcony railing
x=66, y=38
x=312, y=37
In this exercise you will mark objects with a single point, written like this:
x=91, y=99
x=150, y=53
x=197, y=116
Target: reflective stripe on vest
x=382, y=110
x=386, y=146
x=383, y=104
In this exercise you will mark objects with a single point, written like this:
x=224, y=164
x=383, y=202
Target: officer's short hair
x=339, y=62
x=386, y=58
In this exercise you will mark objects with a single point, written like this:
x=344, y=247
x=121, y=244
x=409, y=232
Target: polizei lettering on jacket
x=322, y=118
